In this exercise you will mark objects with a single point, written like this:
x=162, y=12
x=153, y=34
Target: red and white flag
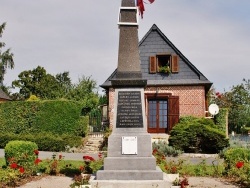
x=140, y=4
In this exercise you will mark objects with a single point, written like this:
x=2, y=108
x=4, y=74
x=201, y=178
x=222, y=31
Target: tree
x=238, y=102
x=85, y=91
x=64, y=81
x=6, y=57
x=38, y=82
x=46, y=86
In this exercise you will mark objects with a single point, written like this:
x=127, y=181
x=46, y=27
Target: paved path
x=65, y=182
x=67, y=156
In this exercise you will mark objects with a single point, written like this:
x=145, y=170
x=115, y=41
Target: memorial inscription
x=129, y=110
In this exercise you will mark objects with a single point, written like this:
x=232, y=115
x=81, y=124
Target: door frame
x=156, y=96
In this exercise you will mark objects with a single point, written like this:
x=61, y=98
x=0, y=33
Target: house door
x=162, y=113
x=157, y=115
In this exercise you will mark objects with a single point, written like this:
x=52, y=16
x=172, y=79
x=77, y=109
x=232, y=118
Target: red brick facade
x=191, y=99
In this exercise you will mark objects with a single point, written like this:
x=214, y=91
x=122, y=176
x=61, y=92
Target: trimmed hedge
x=220, y=119
x=58, y=117
x=197, y=135
x=45, y=141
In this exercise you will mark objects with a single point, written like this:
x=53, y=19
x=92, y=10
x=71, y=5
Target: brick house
x=175, y=87
x=4, y=97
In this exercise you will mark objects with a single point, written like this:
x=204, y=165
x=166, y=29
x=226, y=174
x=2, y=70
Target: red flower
x=173, y=170
x=166, y=167
x=60, y=156
x=81, y=168
x=240, y=164
x=88, y=158
x=184, y=182
x=21, y=170
x=155, y=151
x=100, y=155
x=36, y=152
x=13, y=165
x=37, y=161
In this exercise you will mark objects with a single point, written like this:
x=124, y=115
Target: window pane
x=163, y=121
x=152, y=114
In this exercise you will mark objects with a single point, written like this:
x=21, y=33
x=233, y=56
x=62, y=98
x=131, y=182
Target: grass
x=2, y=162
x=202, y=169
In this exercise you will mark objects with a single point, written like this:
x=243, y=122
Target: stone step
x=93, y=143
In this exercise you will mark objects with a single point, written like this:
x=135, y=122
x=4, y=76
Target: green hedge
x=58, y=117
x=197, y=135
x=220, y=119
x=45, y=141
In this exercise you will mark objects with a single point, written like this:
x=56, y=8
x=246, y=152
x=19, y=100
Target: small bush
x=237, y=164
x=197, y=135
x=83, y=127
x=20, y=152
x=167, y=150
x=50, y=142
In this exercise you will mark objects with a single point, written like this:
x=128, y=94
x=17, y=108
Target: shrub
x=104, y=145
x=237, y=164
x=167, y=150
x=83, y=127
x=20, y=152
x=197, y=135
x=45, y=141
x=245, y=130
x=50, y=142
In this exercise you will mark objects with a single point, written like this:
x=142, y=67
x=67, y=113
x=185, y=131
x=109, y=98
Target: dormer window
x=164, y=63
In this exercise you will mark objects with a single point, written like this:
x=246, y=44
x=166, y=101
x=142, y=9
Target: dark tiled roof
x=156, y=42
x=3, y=95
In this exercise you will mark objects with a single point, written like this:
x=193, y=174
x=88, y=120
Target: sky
x=82, y=37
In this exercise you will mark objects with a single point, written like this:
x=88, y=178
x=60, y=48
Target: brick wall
x=191, y=99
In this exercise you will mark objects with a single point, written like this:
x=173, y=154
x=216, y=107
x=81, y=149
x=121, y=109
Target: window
x=164, y=63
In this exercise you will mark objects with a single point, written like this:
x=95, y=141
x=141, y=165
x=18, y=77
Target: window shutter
x=152, y=64
x=173, y=111
x=175, y=64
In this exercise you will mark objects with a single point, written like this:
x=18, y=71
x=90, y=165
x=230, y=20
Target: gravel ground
x=207, y=182
x=64, y=182
x=50, y=182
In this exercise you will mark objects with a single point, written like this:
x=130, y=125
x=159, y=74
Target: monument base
x=139, y=166
x=165, y=183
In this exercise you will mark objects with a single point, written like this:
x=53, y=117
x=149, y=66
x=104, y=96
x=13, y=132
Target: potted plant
x=176, y=183
x=184, y=183
x=165, y=69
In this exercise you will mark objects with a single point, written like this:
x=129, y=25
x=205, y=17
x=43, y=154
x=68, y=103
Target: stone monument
x=129, y=162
